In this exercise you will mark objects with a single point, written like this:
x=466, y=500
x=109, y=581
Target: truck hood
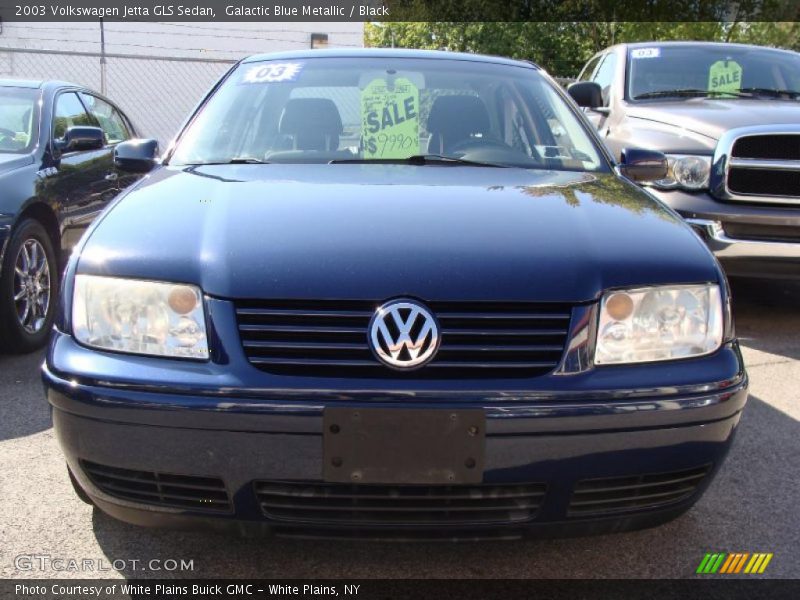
x=380, y=231
x=712, y=118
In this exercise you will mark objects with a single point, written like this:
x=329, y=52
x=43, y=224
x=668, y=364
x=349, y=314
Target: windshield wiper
x=239, y=160
x=770, y=92
x=420, y=159
x=685, y=93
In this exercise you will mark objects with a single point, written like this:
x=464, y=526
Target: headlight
x=658, y=323
x=686, y=171
x=142, y=317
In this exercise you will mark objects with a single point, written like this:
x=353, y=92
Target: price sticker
x=390, y=119
x=725, y=76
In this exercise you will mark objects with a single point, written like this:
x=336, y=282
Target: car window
x=589, y=69
x=339, y=109
x=108, y=117
x=713, y=69
x=604, y=76
x=18, y=119
x=69, y=112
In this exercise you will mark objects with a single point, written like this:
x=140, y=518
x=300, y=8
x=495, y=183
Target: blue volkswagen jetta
x=393, y=294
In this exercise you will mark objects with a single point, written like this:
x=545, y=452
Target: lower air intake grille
x=343, y=504
x=767, y=233
x=179, y=491
x=617, y=494
x=329, y=338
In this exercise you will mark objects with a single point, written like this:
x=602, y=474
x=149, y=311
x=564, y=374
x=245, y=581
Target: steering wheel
x=479, y=144
x=7, y=132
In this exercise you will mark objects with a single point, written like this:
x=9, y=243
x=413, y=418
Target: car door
x=117, y=128
x=82, y=181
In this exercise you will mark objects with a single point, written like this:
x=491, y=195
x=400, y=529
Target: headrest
x=310, y=115
x=459, y=115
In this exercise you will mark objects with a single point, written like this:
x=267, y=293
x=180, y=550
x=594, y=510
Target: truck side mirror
x=643, y=165
x=136, y=156
x=587, y=94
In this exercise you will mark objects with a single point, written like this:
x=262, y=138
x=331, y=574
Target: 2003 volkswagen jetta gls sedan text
x=393, y=294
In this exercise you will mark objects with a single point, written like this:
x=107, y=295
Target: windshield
x=713, y=71
x=328, y=109
x=17, y=119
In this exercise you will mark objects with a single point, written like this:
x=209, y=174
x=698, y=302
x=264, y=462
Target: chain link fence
x=156, y=92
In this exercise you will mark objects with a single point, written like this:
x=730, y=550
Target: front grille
x=769, y=147
x=329, y=338
x=765, y=165
x=619, y=494
x=178, y=491
x=345, y=504
x=763, y=182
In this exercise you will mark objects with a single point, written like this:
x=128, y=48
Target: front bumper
x=558, y=439
x=741, y=255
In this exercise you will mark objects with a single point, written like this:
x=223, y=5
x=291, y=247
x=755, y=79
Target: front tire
x=28, y=289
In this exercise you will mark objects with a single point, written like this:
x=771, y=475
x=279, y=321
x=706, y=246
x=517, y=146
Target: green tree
x=562, y=47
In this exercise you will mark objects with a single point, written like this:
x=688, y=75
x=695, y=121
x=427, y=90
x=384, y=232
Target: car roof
x=388, y=53
x=689, y=43
x=36, y=83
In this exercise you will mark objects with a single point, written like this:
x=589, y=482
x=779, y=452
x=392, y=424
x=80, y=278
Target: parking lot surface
x=752, y=506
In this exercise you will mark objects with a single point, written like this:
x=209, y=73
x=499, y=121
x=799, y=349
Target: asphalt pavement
x=752, y=506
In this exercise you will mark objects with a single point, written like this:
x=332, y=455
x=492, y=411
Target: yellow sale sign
x=390, y=119
x=725, y=76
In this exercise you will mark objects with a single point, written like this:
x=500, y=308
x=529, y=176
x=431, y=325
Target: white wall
x=196, y=40
x=157, y=94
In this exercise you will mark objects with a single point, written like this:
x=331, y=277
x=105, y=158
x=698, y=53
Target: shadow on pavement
x=750, y=507
x=779, y=333
x=23, y=408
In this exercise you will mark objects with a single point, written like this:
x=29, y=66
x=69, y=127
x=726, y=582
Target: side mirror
x=82, y=138
x=643, y=165
x=587, y=94
x=136, y=156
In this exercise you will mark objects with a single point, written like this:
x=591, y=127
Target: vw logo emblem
x=403, y=334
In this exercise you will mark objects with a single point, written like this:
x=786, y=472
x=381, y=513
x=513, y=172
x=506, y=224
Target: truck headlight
x=686, y=171
x=658, y=323
x=141, y=317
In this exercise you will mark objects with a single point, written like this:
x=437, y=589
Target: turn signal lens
x=619, y=306
x=182, y=299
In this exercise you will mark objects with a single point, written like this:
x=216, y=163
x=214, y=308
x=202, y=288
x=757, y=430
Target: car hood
x=712, y=118
x=9, y=162
x=380, y=231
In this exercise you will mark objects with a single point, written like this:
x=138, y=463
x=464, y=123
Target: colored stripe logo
x=735, y=562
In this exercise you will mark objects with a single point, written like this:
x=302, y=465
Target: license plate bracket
x=403, y=446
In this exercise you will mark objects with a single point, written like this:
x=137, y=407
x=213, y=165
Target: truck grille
x=593, y=497
x=178, y=491
x=765, y=165
x=344, y=504
x=330, y=338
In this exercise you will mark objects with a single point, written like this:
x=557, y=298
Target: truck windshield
x=714, y=71
x=17, y=119
x=420, y=110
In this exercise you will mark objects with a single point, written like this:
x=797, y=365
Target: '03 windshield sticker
x=725, y=76
x=273, y=73
x=646, y=53
x=390, y=119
